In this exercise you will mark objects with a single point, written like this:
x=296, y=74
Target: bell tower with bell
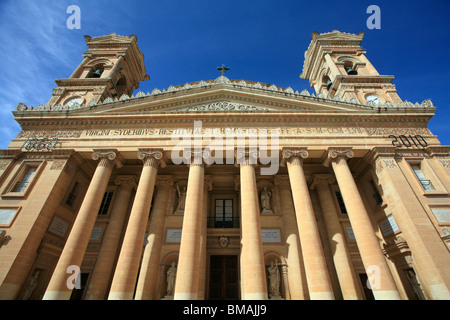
x=336, y=65
x=113, y=66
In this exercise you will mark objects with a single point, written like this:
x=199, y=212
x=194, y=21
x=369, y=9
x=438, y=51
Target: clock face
x=374, y=99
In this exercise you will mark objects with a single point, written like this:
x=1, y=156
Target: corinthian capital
x=335, y=153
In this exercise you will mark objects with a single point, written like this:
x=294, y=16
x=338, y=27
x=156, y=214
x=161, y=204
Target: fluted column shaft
x=101, y=275
x=150, y=261
x=253, y=273
x=186, y=285
x=77, y=242
x=125, y=274
x=319, y=283
x=341, y=258
x=296, y=272
x=383, y=285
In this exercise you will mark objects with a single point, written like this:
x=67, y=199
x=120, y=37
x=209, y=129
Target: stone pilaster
x=430, y=256
x=440, y=162
x=7, y=158
x=319, y=283
x=76, y=244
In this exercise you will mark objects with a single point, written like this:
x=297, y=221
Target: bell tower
x=336, y=64
x=113, y=66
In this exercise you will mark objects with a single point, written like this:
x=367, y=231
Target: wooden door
x=223, y=278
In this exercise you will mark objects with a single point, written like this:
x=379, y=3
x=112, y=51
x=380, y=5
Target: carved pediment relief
x=222, y=106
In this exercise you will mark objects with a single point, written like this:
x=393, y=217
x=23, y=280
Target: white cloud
x=34, y=38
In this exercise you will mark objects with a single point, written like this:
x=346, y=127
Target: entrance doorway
x=223, y=278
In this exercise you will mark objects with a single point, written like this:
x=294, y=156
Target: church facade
x=225, y=189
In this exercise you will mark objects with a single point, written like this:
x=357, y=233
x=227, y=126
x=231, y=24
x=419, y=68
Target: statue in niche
x=265, y=201
x=171, y=275
x=31, y=286
x=181, y=200
x=274, y=280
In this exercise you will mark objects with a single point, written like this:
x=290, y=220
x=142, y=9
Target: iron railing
x=220, y=222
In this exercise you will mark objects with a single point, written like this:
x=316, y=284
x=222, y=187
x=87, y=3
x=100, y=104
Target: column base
x=439, y=292
x=120, y=296
x=57, y=295
x=321, y=296
x=185, y=296
x=255, y=296
x=386, y=295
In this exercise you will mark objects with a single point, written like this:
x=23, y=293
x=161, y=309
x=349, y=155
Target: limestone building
x=225, y=189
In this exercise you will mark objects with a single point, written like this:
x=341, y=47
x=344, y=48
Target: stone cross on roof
x=223, y=69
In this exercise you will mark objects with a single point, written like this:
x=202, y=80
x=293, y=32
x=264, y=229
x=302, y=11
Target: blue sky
x=259, y=40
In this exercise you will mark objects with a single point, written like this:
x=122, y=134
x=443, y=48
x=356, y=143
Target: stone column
x=298, y=286
x=101, y=275
x=77, y=242
x=186, y=284
x=431, y=259
x=203, y=242
x=377, y=269
x=125, y=275
x=253, y=273
x=319, y=283
x=150, y=261
x=341, y=257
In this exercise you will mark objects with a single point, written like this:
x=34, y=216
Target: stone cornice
x=378, y=121
x=10, y=153
x=82, y=82
x=441, y=151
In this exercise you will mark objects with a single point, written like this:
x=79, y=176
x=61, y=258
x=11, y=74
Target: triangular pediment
x=218, y=96
x=225, y=96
